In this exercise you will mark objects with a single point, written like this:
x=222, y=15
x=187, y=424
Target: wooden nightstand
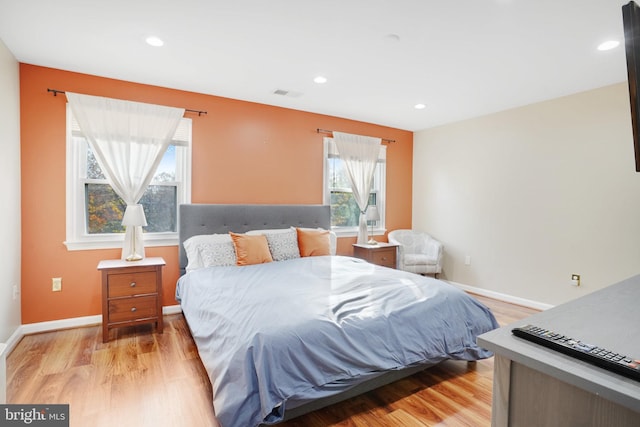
x=131, y=293
x=384, y=254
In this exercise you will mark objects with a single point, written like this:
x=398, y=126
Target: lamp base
x=372, y=242
x=133, y=257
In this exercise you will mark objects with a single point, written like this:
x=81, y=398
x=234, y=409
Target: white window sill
x=353, y=232
x=114, y=242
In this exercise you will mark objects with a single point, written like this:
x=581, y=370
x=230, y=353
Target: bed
x=279, y=339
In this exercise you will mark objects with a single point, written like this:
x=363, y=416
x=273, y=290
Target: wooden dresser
x=384, y=254
x=131, y=293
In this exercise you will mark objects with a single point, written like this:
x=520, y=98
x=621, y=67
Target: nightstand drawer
x=385, y=258
x=127, y=309
x=383, y=254
x=128, y=284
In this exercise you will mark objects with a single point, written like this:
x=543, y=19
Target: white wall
x=10, y=191
x=533, y=195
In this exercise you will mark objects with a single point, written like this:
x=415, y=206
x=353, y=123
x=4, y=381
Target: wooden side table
x=131, y=293
x=384, y=254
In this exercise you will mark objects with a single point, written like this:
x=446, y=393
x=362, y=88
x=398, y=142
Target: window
x=345, y=213
x=94, y=210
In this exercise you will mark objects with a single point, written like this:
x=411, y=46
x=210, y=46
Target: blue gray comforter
x=285, y=331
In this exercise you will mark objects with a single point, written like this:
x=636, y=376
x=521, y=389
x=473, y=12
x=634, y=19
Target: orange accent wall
x=243, y=152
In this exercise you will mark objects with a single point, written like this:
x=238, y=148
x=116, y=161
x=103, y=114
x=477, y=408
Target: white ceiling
x=462, y=58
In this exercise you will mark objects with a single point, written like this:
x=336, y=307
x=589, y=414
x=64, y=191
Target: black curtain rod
x=56, y=92
x=330, y=132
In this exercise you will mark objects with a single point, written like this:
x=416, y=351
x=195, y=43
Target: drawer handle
x=133, y=309
x=132, y=284
x=384, y=259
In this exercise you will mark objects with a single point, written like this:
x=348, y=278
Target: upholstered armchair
x=418, y=252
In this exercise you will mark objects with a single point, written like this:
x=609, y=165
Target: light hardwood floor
x=142, y=379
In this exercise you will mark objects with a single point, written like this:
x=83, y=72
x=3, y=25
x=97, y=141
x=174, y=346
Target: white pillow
x=283, y=242
x=209, y=250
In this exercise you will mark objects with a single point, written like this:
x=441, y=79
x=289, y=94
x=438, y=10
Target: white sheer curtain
x=360, y=156
x=129, y=140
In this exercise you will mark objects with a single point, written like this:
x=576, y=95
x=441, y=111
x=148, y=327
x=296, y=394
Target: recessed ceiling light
x=320, y=79
x=420, y=106
x=608, y=45
x=392, y=37
x=154, y=41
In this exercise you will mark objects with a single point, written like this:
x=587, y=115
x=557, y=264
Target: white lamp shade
x=134, y=215
x=372, y=213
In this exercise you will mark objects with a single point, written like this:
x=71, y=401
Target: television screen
x=631, y=23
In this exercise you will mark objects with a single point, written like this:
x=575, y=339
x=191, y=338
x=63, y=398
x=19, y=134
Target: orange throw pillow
x=251, y=249
x=313, y=242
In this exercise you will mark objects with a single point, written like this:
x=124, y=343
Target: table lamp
x=372, y=215
x=133, y=250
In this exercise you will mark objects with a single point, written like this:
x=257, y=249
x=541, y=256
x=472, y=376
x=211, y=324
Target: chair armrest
x=435, y=249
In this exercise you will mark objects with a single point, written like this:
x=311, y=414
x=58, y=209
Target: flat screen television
x=631, y=24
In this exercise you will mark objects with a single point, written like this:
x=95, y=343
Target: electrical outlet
x=575, y=279
x=467, y=260
x=16, y=292
x=56, y=284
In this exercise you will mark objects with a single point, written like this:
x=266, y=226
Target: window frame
x=379, y=229
x=77, y=237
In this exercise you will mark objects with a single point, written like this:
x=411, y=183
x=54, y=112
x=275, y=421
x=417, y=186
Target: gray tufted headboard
x=199, y=219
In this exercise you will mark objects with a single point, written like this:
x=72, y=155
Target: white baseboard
x=171, y=309
x=13, y=340
x=55, y=325
x=3, y=374
x=503, y=297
